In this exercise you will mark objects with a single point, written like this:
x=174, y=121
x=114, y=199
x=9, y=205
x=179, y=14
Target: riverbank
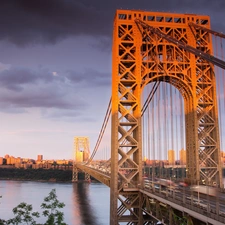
x=36, y=175
x=40, y=175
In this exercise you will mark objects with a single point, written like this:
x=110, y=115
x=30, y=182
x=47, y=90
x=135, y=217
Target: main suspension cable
x=105, y=122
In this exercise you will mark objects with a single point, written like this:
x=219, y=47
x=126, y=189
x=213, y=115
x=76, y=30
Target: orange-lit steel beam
x=207, y=57
x=207, y=30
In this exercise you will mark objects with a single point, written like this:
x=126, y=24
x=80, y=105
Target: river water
x=85, y=203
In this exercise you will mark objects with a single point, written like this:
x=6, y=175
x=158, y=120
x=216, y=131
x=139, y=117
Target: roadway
x=209, y=209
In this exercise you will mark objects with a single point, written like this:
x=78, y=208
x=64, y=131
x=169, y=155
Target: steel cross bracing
x=198, y=27
x=183, y=45
x=140, y=56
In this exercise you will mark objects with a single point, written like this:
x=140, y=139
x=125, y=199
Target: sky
x=55, y=69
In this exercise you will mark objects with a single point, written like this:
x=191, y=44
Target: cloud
x=31, y=22
x=54, y=73
x=90, y=77
x=32, y=131
x=63, y=95
x=24, y=88
x=66, y=115
x=16, y=78
x=4, y=66
x=47, y=97
x=26, y=22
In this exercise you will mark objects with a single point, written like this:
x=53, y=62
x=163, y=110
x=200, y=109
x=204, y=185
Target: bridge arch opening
x=163, y=132
x=162, y=61
x=170, y=88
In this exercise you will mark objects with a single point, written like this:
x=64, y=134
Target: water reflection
x=85, y=204
x=82, y=202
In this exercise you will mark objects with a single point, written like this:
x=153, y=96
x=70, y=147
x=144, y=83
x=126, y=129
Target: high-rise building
x=182, y=157
x=39, y=157
x=171, y=157
x=223, y=158
x=1, y=160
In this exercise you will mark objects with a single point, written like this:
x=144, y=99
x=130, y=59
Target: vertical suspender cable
x=149, y=136
x=222, y=97
x=176, y=114
x=150, y=112
x=161, y=130
x=219, y=91
x=172, y=130
x=143, y=124
x=167, y=125
x=182, y=147
x=157, y=131
x=165, y=139
x=153, y=139
x=143, y=130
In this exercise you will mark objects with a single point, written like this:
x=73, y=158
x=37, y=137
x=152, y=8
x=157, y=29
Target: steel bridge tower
x=81, y=154
x=141, y=55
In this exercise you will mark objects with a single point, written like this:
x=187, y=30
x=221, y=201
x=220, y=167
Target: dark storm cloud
x=47, y=21
x=41, y=21
x=215, y=9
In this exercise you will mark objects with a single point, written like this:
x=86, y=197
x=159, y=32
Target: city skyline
x=55, y=69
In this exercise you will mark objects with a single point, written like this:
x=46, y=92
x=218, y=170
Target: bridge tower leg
x=87, y=177
x=126, y=145
x=75, y=174
x=139, y=57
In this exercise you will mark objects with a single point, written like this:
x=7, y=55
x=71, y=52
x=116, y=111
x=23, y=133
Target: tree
x=2, y=222
x=51, y=205
x=24, y=212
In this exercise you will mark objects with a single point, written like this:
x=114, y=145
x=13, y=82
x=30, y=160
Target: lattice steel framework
x=81, y=154
x=141, y=56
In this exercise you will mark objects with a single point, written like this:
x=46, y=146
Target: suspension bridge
x=166, y=121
